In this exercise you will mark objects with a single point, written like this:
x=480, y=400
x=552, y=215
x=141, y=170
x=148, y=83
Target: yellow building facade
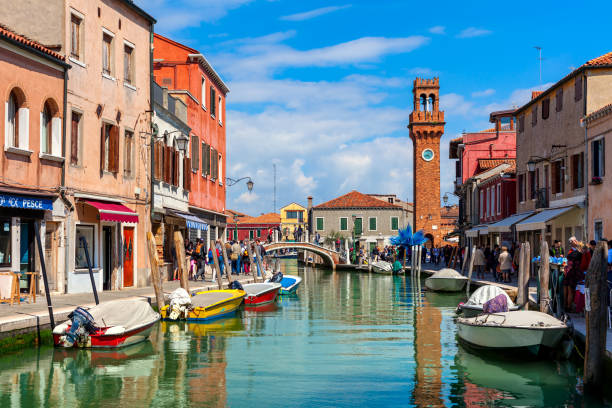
x=292, y=216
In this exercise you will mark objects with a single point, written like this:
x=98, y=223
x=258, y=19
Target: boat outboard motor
x=277, y=277
x=82, y=324
x=236, y=285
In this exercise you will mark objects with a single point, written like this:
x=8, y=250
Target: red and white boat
x=113, y=324
x=260, y=293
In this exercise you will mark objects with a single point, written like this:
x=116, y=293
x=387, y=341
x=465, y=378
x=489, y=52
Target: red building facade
x=497, y=197
x=189, y=76
x=254, y=227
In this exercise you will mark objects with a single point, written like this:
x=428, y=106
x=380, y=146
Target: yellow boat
x=211, y=304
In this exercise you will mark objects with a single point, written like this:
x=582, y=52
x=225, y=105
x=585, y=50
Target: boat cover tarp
x=496, y=305
x=447, y=273
x=520, y=318
x=256, y=288
x=383, y=265
x=209, y=298
x=126, y=312
x=485, y=293
x=287, y=282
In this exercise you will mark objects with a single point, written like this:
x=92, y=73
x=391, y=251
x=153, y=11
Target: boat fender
x=82, y=326
x=235, y=285
x=459, y=309
x=277, y=277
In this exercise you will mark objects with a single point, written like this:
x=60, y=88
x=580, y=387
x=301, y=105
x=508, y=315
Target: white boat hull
x=445, y=284
x=384, y=268
x=475, y=310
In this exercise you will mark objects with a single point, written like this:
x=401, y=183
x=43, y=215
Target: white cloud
x=178, y=14
x=483, y=93
x=247, y=198
x=307, y=15
x=306, y=183
x=471, y=32
x=438, y=29
x=422, y=71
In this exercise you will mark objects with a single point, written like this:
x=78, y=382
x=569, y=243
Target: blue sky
x=322, y=89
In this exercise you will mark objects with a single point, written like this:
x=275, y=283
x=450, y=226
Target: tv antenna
x=274, y=167
x=540, y=60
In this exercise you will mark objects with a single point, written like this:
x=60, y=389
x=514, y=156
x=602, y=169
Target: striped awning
x=114, y=212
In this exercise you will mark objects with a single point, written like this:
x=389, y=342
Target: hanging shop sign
x=27, y=203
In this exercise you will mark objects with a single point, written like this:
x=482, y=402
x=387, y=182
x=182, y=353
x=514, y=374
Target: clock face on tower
x=427, y=155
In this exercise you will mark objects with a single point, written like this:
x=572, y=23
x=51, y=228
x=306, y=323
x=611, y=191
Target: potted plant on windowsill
x=596, y=180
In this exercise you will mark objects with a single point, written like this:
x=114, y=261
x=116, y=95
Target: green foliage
x=332, y=237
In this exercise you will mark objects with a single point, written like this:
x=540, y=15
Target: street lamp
x=181, y=142
x=230, y=182
x=445, y=198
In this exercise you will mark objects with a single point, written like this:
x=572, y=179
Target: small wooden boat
x=382, y=267
x=117, y=323
x=209, y=305
x=473, y=307
x=258, y=294
x=290, y=284
x=523, y=329
x=446, y=280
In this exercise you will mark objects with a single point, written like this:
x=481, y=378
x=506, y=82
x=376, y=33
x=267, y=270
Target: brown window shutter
x=578, y=88
x=160, y=161
x=559, y=102
x=187, y=173
x=545, y=108
x=177, y=173
x=74, y=140
x=113, y=150
x=167, y=157
x=102, y=157
x=553, y=176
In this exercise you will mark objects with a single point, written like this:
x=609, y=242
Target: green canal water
x=346, y=340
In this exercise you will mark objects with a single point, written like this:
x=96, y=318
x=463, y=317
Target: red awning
x=113, y=211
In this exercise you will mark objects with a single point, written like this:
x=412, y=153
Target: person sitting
x=572, y=273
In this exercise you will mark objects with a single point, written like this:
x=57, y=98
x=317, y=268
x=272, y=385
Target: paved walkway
x=27, y=316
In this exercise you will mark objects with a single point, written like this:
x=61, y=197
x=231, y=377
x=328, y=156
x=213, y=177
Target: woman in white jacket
x=479, y=263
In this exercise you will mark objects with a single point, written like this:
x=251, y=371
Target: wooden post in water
x=227, y=264
x=216, y=265
x=252, y=261
x=519, y=277
x=179, y=249
x=544, y=276
x=155, y=276
x=260, y=262
x=596, y=319
x=470, y=270
x=523, y=282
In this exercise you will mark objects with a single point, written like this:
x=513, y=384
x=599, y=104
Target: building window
x=597, y=231
x=220, y=110
x=295, y=215
x=578, y=88
x=558, y=176
x=107, y=54
x=46, y=132
x=394, y=223
x=195, y=153
x=86, y=231
x=75, y=36
x=532, y=185
x=251, y=234
x=545, y=108
x=220, y=168
x=488, y=202
x=343, y=224
x=498, y=199
x=534, y=115
x=128, y=64
x=320, y=224
x=17, y=121
x=258, y=233
x=598, y=157
x=128, y=169
x=75, y=134
x=372, y=223
x=205, y=159
x=109, y=145
x=358, y=226
x=214, y=164
x=559, y=100
x=5, y=241
x=521, y=188
x=203, y=96
x=577, y=171
x=213, y=104
x=521, y=123
x=481, y=212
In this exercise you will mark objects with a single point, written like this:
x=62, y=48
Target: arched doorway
x=430, y=241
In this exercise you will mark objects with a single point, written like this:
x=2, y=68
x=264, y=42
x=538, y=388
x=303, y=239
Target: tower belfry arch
x=426, y=129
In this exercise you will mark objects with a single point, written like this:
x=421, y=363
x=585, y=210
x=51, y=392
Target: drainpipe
x=62, y=189
x=586, y=161
x=151, y=121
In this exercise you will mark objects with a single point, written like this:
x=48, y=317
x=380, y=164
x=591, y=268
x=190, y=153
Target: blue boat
x=290, y=284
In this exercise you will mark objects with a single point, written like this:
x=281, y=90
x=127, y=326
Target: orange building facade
x=187, y=75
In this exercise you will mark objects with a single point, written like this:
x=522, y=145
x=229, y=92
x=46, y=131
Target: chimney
x=309, y=202
x=535, y=94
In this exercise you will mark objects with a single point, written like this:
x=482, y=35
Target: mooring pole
x=93, y=282
x=470, y=271
x=44, y=274
x=544, y=277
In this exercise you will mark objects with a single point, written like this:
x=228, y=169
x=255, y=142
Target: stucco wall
x=383, y=223
x=600, y=196
x=37, y=19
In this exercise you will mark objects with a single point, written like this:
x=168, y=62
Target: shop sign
x=27, y=203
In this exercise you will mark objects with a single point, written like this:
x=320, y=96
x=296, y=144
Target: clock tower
x=426, y=129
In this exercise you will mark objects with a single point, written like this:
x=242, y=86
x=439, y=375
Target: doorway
x=107, y=261
x=128, y=256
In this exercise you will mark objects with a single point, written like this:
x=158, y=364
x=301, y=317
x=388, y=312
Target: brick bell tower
x=426, y=129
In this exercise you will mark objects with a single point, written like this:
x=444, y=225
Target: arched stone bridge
x=331, y=257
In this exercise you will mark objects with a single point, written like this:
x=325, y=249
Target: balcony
x=542, y=198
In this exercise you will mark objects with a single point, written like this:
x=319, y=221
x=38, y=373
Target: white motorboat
x=473, y=307
x=511, y=330
x=382, y=267
x=446, y=280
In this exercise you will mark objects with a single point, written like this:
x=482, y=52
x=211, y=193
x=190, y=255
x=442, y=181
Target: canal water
x=346, y=340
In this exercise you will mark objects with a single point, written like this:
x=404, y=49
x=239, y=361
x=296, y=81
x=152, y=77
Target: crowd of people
x=201, y=259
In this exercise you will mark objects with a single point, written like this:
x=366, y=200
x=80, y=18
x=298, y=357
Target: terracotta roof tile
x=535, y=94
x=270, y=218
x=355, y=199
x=457, y=139
x=605, y=59
x=485, y=164
x=8, y=33
x=599, y=113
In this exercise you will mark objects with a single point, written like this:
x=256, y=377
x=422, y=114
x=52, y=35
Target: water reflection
x=346, y=339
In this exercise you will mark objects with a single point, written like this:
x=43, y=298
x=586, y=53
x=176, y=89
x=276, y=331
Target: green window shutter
x=358, y=226
x=372, y=224
x=258, y=233
x=394, y=223
x=320, y=224
x=343, y=224
x=251, y=234
x=213, y=102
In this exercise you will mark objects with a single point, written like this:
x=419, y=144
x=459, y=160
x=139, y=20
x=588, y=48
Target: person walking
x=572, y=273
x=505, y=264
x=479, y=262
x=235, y=257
